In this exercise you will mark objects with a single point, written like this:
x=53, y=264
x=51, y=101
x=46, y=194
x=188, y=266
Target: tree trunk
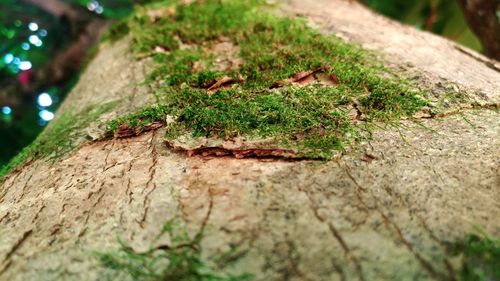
x=386, y=211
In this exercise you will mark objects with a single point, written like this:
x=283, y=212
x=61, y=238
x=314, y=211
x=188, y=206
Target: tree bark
x=484, y=20
x=387, y=210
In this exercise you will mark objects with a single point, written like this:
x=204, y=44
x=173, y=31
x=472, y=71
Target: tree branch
x=481, y=16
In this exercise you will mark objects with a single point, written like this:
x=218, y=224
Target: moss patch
x=117, y=31
x=313, y=119
x=59, y=138
x=180, y=261
x=481, y=258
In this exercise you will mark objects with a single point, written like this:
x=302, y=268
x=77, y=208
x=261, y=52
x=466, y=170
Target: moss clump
x=481, y=258
x=312, y=119
x=141, y=118
x=117, y=31
x=59, y=138
x=180, y=261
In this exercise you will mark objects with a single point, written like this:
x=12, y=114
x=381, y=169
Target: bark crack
x=23, y=190
x=6, y=261
x=337, y=236
x=38, y=214
x=207, y=216
x=6, y=189
x=105, y=168
x=488, y=62
x=4, y=216
x=390, y=225
x=91, y=194
x=150, y=184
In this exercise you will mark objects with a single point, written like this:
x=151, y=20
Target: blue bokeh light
x=6, y=110
x=46, y=115
x=8, y=58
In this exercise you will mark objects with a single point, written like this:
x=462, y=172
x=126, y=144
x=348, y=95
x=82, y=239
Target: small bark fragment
x=328, y=79
x=318, y=75
x=304, y=75
x=368, y=158
x=127, y=131
x=226, y=56
x=240, y=153
x=162, y=50
x=225, y=82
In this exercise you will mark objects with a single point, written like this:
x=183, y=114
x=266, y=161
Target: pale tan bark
x=385, y=211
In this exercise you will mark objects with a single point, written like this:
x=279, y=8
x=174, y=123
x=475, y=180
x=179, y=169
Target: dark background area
x=42, y=49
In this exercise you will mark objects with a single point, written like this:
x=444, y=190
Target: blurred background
x=44, y=45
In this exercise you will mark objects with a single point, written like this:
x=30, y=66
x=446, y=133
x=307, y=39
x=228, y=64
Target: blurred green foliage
x=442, y=17
x=18, y=23
x=15, y=17
x=20, y=127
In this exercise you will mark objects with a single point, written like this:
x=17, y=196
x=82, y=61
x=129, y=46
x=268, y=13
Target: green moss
x=117, y=31
x=180, y=261
x=141, y=118
x=59, y=138
x=313, y=119
x=481, y=256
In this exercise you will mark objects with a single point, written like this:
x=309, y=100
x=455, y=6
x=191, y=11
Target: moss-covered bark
x=388, y=208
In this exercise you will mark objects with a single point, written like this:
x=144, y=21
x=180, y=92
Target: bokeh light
x=33, y=26
x=96, y=7
x=46, y=115
x=8, y=58
x=34, y=39
x=6, y=110
x=25, y=65
x=44, y=100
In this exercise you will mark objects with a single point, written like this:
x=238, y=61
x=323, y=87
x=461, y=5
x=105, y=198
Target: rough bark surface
x=385, y=211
